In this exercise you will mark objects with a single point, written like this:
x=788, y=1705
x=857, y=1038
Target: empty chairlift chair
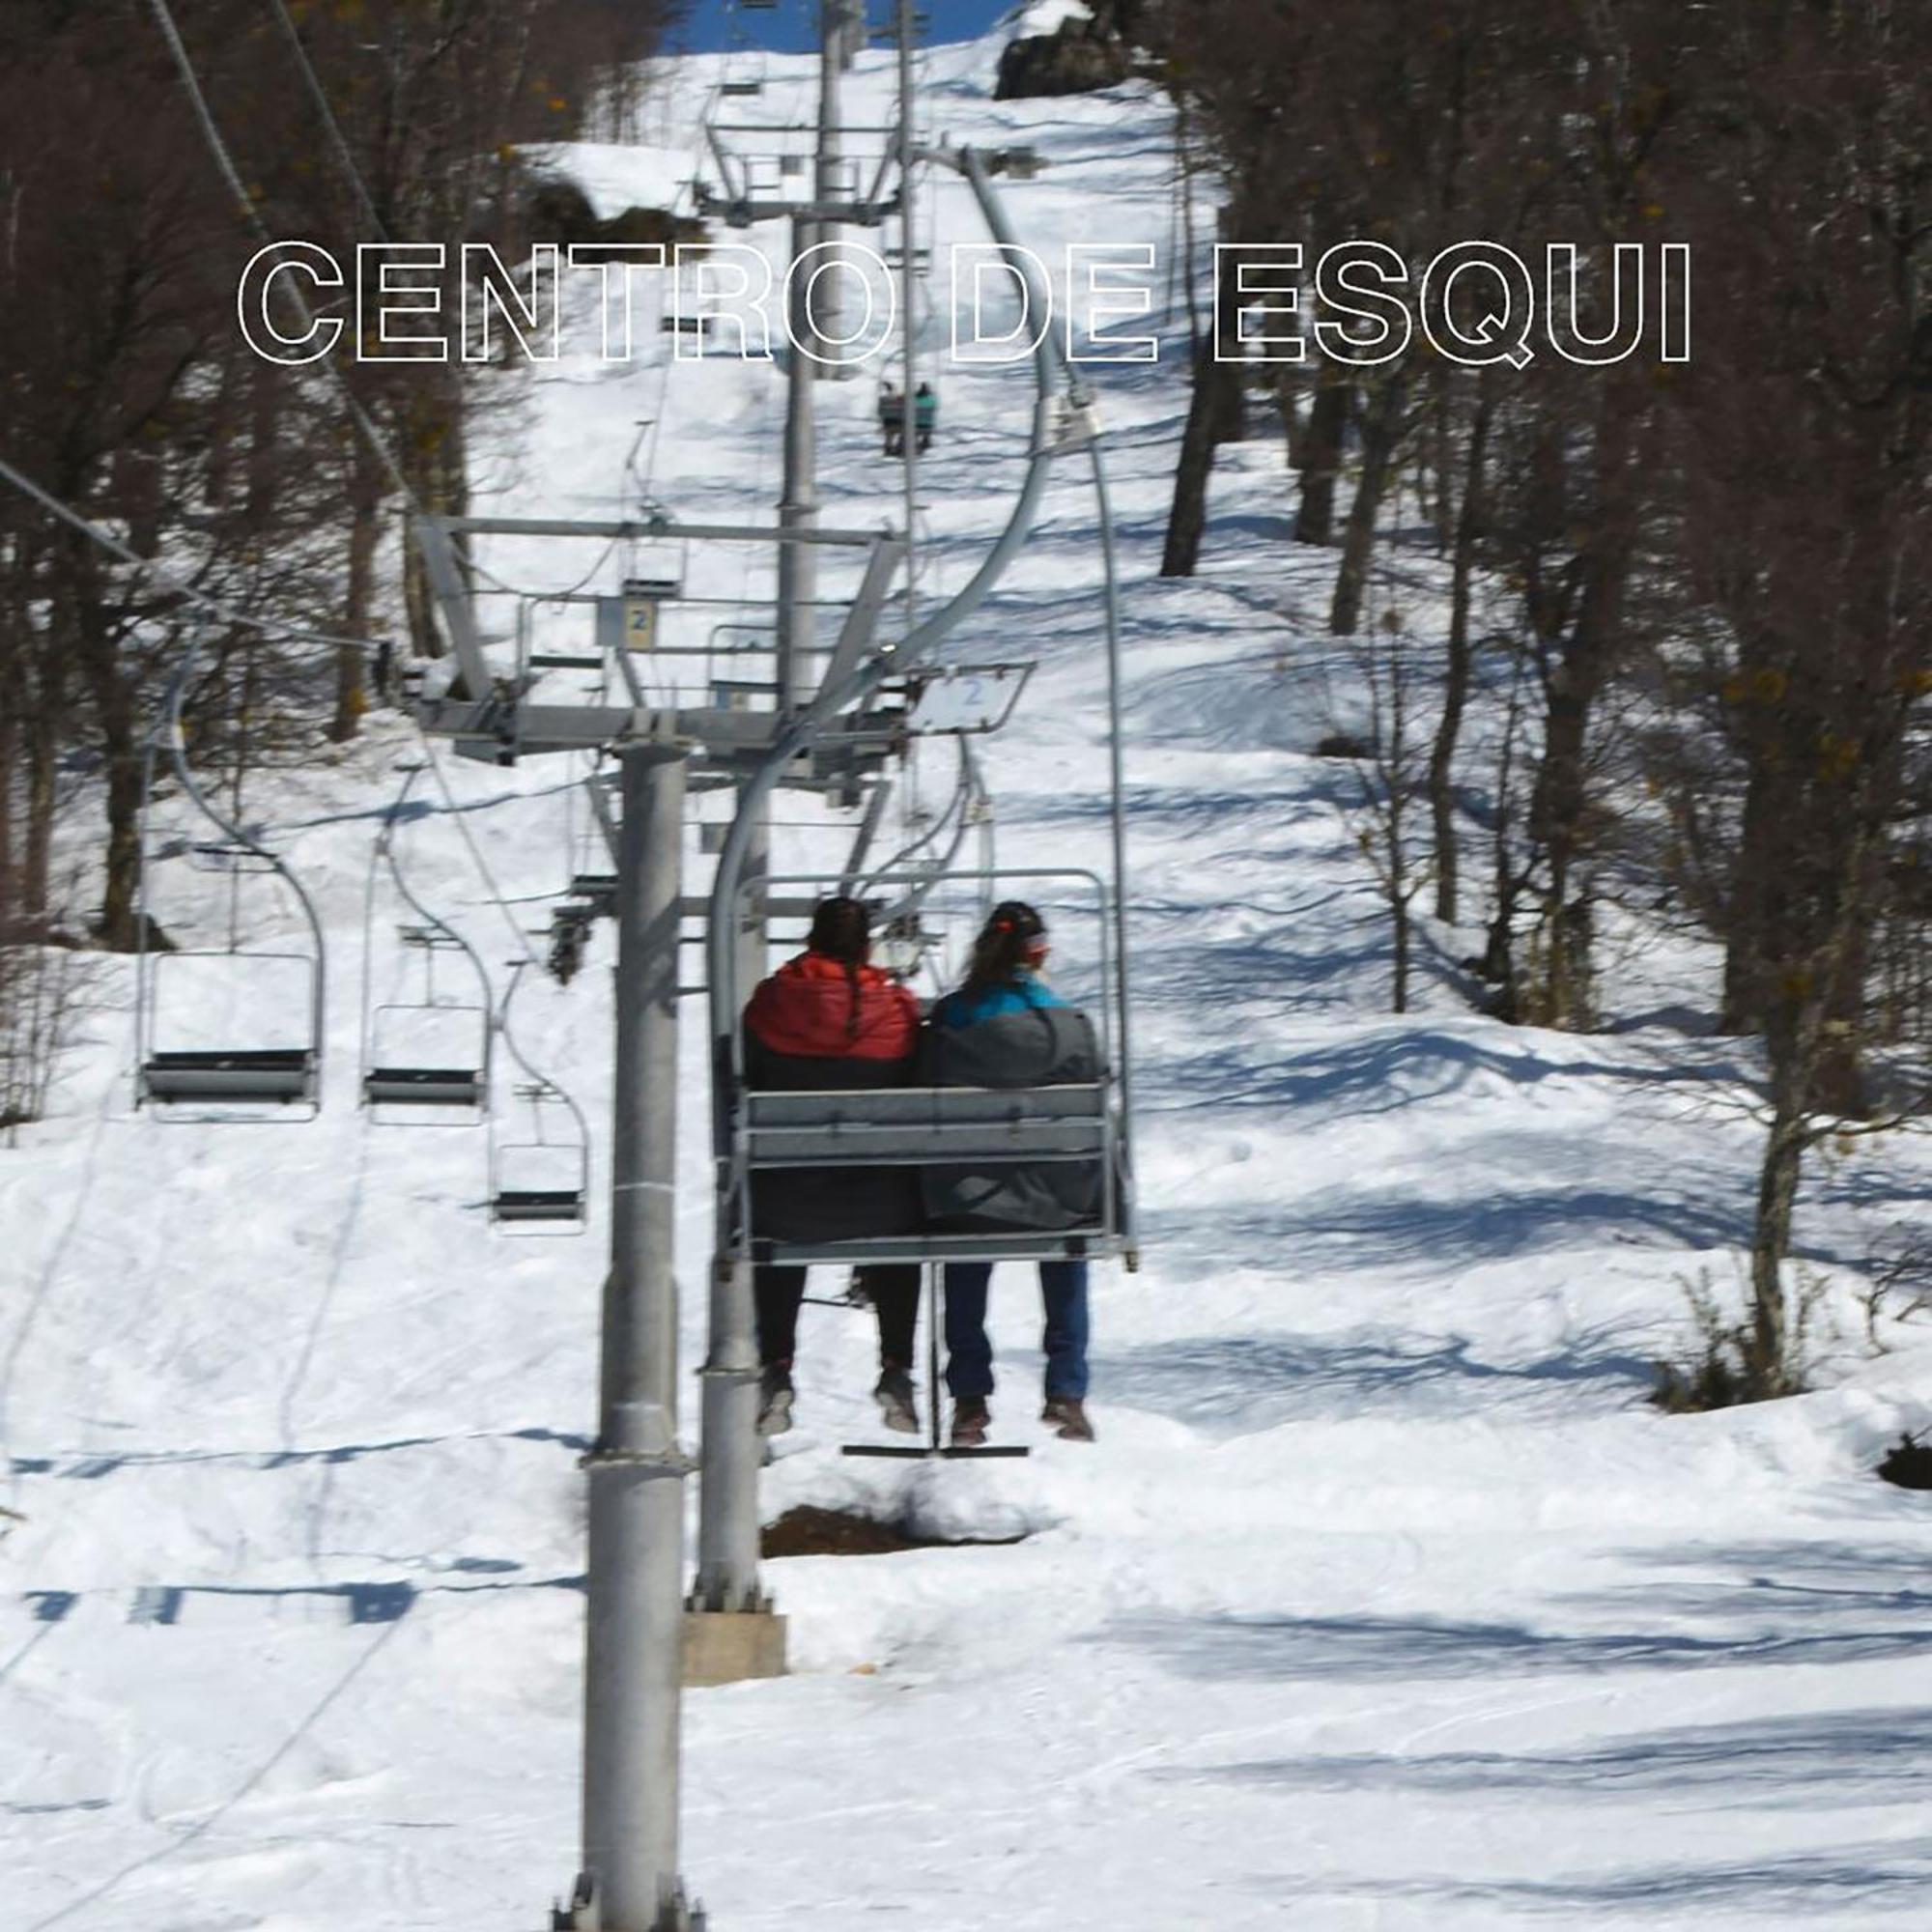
x=431, y=1051
x=541, y=653
x=232, y=1030
x=539, y=1183
x=424, y=1050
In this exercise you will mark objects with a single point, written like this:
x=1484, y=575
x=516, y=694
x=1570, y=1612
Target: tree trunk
x=10, y=877
x=120, y=899
x=1769, y=1370
x=351, y=696
x=1216, y=413
x=1456, y=679
x=1359, y=542
x=43, y=793
x=1747, y=912
x=1399, y=907
x=1322, y=459
x=1229, y=380
x=439, y=472
x=1584, y=660
x=1187, y=518
x=1287, y=395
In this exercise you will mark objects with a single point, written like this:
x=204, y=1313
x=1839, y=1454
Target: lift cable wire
x=225, y=161
x=1117, y=777
x=212, y=607
x=327, y=114
x=358, y=414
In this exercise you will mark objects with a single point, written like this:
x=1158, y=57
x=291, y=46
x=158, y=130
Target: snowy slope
x=1382, y=1602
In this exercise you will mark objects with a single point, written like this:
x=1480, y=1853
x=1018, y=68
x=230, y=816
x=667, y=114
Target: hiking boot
x=897, y=1405
x=970, y=1417
x=1067, y=1415
x=774, y=1393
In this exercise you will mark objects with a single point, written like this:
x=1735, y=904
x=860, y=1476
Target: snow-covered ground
x=1383, y=1602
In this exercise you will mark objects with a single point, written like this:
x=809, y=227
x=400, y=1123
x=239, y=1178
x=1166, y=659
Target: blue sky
x=791, y=26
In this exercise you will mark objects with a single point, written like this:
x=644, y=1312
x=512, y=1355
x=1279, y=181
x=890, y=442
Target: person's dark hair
x=1013, y=931
x=842, y=929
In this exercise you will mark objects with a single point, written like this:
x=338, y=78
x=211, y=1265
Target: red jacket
x=810, y=1005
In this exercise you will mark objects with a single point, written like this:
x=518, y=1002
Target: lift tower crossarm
x=654, y=528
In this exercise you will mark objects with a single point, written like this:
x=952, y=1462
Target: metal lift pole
x=908, y=321
x=798, y=507
x=635, y=1622
x=726, y=1586
x=841, y=31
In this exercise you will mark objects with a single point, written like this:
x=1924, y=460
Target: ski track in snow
x=1383, y=1604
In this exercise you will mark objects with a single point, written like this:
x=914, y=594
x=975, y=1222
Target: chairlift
x=630, y=620
x=1080, y=1124
x=189, y=998
x=541, y=1184
x=657, y=570
x=535, y=657
x=428, y=1050
x=569, y=940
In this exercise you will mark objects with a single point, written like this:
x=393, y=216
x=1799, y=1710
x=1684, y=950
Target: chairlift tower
x=636, y=1617
x=640, y=1630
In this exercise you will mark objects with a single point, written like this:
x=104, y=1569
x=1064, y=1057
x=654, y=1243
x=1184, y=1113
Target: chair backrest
x=911, y=1126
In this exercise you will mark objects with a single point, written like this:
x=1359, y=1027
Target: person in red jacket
x=830, y=1019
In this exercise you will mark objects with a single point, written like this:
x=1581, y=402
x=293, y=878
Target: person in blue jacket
x=1005, y=1027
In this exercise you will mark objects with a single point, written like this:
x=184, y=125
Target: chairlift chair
x=277, y=992
x=534, y=657
x=453, y=1074
x=771, y=1132
x=389, y=1079
x=540, y=1184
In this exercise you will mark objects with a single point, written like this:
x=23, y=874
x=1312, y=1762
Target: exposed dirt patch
x=1909, y=1464
x=811, y=1531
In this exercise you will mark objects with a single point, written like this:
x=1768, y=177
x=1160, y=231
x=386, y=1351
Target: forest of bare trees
x=1716, y=579
x=129, y=393
x=1701, y=593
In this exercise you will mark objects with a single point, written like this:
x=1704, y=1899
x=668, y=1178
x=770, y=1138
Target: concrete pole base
x=728, y=1646
x=584, y=1915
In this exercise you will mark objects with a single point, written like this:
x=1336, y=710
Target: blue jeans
x=969, y=1355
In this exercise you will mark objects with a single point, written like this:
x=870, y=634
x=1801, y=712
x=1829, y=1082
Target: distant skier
x=924, y=416
x=893, y=417
x=828, y=1019
x=1005, y=1027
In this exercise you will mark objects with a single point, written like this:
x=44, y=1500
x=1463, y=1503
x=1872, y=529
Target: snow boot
x=1068, y=1415
x=774, y=1393
x=970, y=1417
x=898, y=1403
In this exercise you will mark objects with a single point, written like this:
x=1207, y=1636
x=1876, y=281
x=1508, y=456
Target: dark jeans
x=969, y=1355
x=894, y=1293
